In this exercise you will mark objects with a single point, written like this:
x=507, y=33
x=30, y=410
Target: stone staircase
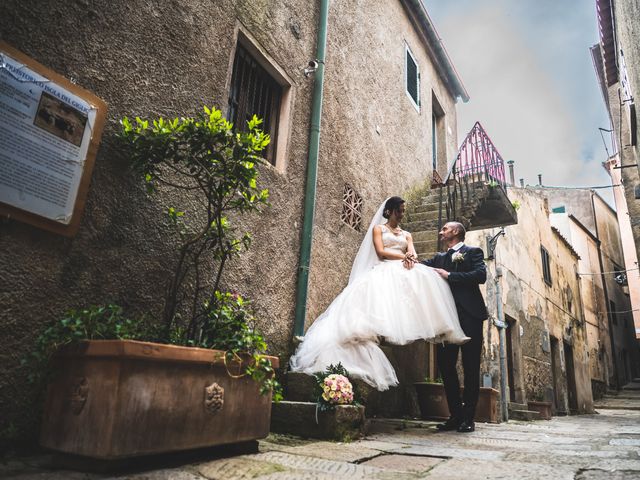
x=520, y=411
x=628, y=398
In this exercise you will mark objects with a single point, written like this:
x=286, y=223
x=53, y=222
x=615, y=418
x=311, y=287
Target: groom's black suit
x=464, y=279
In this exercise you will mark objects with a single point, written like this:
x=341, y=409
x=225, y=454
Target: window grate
x=254, y=91
x=351, y=208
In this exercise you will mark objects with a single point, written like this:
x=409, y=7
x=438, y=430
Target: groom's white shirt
x=458, y=246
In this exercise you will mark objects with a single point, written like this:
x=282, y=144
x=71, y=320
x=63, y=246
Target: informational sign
x=49, y=134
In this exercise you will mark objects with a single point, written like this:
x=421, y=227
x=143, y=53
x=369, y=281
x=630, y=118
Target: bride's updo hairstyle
x=392, y=205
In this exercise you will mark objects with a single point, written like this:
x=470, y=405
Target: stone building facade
x=592, y=296
x=388, y=119
x=617, y=63
x=595, y=214
x=546, y=336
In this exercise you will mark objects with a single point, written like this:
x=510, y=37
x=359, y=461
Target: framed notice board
x=50, y=130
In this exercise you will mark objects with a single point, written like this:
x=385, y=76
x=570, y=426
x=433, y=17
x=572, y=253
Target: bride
x=384, y=298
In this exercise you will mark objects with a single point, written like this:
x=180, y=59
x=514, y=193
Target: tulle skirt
x=389, y=301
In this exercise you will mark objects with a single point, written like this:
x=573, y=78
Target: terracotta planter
x=433, y=403
x=543, y=408
x=114, y=399
x=487, y=408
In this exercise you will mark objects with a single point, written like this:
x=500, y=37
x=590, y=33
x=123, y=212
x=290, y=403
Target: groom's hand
x=408, y=263
x=443, y=273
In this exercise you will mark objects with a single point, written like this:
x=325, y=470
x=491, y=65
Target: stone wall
x=149, y=60
x=539, y=312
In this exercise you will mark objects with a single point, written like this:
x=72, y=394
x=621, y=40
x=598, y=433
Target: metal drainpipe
x=502, y=327
x=312, y=174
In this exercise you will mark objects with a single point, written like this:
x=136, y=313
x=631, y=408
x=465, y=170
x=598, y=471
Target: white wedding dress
x=382, y=299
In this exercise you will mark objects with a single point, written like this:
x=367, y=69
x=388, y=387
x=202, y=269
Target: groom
x=463, y=267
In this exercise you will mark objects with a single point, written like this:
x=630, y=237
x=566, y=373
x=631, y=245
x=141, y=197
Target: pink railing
x=478, y=160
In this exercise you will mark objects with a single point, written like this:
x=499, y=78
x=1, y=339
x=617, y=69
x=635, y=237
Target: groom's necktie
x=447, y=258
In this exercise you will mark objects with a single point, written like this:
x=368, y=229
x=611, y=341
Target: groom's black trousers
x=461, y=408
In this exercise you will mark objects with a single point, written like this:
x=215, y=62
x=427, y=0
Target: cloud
x=527, y=68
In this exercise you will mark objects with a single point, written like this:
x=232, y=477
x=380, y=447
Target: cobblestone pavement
x=586, y=447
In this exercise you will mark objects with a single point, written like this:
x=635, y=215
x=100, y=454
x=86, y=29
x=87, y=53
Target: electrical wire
x=605, y=273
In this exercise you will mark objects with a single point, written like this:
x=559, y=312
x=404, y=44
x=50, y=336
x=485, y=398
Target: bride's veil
x=367, y=258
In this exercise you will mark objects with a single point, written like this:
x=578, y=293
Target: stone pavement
x=602, y=446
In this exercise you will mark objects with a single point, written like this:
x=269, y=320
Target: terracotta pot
x=543, y=408
x=114, y=399
x=433, y=402
x=487, y=408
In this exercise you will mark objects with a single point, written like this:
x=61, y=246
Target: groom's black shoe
x=466, y=426
x=450, y=425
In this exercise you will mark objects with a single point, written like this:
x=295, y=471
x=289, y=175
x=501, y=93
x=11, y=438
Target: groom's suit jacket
x=464, y=280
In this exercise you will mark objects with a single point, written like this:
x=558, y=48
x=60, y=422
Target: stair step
x=426, y=236
x=425, y=248
x=345, y=423
x=429, y=206
x=421, y=216
x=421, y=226
x=517, y=406
x=299, y=387
x=525, y=415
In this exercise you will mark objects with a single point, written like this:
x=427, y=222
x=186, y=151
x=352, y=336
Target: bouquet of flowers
x=333, y=387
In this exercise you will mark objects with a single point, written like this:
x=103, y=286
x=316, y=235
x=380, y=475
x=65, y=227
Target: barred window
x=254, y=91
x=351, y=208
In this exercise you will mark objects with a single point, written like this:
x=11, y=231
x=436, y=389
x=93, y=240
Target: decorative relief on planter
x=214, y=398
x=78, y=395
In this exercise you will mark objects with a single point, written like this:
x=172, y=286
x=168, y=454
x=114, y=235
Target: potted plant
x=433, y=402
x=540, y=405
x=204, y=378
x=432, y=399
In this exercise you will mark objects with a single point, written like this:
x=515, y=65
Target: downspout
x=312, y=174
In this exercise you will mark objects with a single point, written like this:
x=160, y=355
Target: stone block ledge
x=345, y=423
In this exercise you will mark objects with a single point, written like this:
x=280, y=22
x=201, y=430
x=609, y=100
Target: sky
x=527, y=67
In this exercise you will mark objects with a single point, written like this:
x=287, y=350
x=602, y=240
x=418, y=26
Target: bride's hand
x=409, y=260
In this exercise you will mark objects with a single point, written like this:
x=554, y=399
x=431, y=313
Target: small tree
x=215, y=169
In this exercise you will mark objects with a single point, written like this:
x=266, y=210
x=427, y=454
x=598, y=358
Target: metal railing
x=478, y=161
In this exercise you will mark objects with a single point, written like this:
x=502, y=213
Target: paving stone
x=460, y=469
x=404, y=463
x=625, y=441
x=51, y=475
x=167, y=474
x=341, y=452
x=445, y=452
x=606, y=475
x=341, y=469
x=237, y=468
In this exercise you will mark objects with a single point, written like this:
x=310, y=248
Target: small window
x=254, y=91
x=438, y=141
x=351, y=208
x=412, y=78
x=546, y=265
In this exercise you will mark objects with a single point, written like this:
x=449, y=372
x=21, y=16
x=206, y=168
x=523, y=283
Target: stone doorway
x=514, y=367
x=571, y=378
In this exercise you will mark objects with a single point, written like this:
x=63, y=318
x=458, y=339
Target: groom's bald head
x=453, y=231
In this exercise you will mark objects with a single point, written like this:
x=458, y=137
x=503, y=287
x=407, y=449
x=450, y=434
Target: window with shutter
x=546, y=265
x=412, y=77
